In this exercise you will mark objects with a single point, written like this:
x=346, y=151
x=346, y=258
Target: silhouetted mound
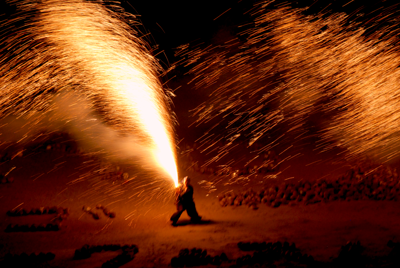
x=32, y=228
x=380, y=184
x=106, y=212
x=25, y=260
x=96, y=215
x=38, y=211
x=265, y=254
x=62, y=214
x=197, y=257
x=394, y=255
x=272, y=254
x=350, y=256
x=128, y=253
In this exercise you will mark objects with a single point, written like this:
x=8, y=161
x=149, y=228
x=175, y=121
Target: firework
x=78, y=65
x=292, y=71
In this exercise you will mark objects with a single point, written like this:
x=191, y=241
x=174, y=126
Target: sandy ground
x=319, y=229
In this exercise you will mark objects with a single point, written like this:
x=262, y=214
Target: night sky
x=190, y=21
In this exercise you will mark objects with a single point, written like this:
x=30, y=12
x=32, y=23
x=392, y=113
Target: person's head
x=186, y=181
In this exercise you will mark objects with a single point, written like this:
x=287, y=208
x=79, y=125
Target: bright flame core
x=122, y=72
x=144, y=102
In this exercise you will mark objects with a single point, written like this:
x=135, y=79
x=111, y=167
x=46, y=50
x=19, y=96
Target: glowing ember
x=84, y=48
x=318, y=76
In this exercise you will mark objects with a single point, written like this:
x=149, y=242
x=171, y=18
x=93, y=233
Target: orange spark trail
x=85, y=48
x=290, y=67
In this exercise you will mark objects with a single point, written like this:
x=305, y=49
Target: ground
x=40, y=180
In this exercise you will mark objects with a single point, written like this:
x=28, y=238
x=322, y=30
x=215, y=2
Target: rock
x=24, y=228
x=81, y=254
x=10, y=228
x=276, y=204
x=49, y=227
x=309, y=195
x=176, y=262
x=66, y=211
x=106, y=211
x=41, y=227
x=60, y=210
x=33, y=228
x=86, y=209
x=254, y=206
x=216, y=261
x=184, y=252
x=265, y=200
x=11, y=213
x=223, y=257
x=52, y=210
x=294, y=195
x=50, y=256
x=223, y=202
x=95, y=216
x=237, y=202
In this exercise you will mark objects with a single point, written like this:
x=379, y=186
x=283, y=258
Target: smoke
x=77, y=67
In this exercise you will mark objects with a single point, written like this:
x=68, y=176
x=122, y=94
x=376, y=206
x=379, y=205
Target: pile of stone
x=270, y=253
x=54, y=225
x=32, y=227
x=38, y=211
x=96, y=215
x=264, y=253
x=89, y=211
x=355, y=185
x=25, y=260
x=126, y=256
x=350, y=255
x=106, y=212
x=197, y=257
x=128, y=253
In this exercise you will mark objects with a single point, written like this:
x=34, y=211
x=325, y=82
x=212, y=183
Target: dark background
x=176, y=22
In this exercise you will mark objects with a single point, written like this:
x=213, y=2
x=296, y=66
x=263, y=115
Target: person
x=184, y=201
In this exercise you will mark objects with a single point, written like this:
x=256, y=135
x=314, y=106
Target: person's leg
x=192, y=212
x=175, y=217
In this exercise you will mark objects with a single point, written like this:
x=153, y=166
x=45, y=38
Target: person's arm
x=179, y=191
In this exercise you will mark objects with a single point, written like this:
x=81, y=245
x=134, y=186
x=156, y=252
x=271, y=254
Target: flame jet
x=88, y=49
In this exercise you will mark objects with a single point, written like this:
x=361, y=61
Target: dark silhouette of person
x=184, y=201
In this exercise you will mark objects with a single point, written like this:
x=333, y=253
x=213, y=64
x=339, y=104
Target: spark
x=82, y=48
x=288, y=67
